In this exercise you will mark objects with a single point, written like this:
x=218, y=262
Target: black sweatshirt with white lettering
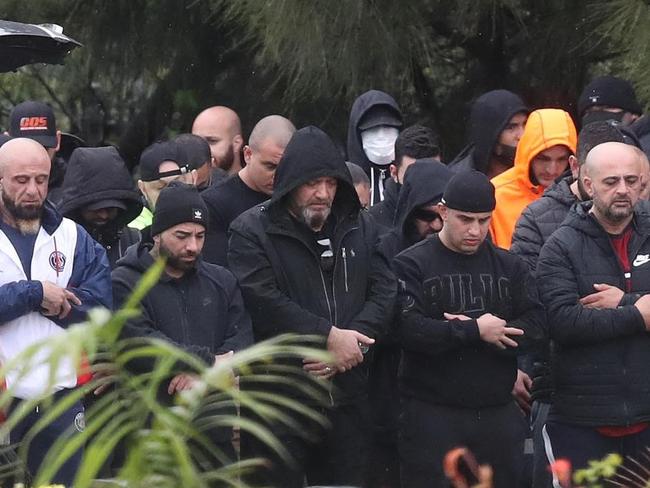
x=445, y=362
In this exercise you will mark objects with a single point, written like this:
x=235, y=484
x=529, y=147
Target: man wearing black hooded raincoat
x=329, y=282
x=99, y=194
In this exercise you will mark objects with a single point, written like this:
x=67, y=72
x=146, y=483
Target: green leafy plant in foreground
x=165, y=444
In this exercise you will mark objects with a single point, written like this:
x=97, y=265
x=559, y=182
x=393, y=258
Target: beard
x=315, y=219
x=28, y=219
x=505, y=154
x=178, y=261
x=226, y=161
x=612, y=213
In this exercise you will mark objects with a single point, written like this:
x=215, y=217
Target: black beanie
x=178, y=203
x=470, y=191
x=609, y=91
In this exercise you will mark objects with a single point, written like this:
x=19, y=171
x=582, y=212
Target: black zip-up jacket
x=384, y=211
x=601, y=357
x=356, y=154
x=93, y=175
x=279, y=271
x=202, y=313
x=488, y=117
x=445, y=362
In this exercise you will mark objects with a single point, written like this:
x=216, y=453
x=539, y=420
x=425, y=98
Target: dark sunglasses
x=426, y=215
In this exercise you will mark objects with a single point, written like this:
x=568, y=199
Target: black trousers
x=333, y=455
x=63, y=426
x=581, y=444
x=495, y=435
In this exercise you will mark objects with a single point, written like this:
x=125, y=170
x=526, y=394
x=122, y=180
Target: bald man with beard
x=53, y=273
x=221, y=127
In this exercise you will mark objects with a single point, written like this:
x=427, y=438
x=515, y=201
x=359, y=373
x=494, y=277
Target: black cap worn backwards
x=34, y=120
x=470, y=191
x=194, y=150
x=159, y=152
x=178, y=203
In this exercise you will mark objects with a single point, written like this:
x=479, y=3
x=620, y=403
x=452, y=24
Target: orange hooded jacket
x=545, y=128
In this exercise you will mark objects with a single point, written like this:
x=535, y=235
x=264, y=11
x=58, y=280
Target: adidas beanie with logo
x=178, y=203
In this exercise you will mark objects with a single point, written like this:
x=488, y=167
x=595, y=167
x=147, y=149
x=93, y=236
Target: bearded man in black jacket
x=467, y=309
x=307, y=263
x=594, y=278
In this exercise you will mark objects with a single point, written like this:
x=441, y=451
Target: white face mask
x=379, y=144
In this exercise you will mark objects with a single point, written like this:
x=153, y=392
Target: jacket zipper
x=327, y=299
x=345, y=269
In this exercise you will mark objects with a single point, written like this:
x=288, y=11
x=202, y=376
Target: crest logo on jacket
x=57, y=261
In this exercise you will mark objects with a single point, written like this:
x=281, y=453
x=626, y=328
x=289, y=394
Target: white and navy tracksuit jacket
x=67, y=256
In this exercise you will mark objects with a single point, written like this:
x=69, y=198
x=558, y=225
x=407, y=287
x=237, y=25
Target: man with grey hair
x=251, y=186
x=52, y=274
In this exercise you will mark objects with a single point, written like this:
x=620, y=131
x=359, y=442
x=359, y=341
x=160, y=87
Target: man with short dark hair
x=221, y=128
x=307, y=263
x=99, y=194
x=496, y=123
x=593, y=279
x=251, y=186
x=467, y=309
x=361, y=184
x=415, y=142
x=53, y=273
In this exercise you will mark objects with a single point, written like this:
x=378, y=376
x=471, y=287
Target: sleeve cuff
x=36, y=294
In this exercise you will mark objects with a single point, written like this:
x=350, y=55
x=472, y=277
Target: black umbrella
x=22, y=44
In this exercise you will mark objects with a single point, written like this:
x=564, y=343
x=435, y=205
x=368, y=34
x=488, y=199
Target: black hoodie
x=279, y=269
x=489, y=116
x=356, y=153
x=93, y=175
x=424, y=182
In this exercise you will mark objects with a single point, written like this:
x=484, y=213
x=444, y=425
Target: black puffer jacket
x=601, y=357
x=489, y=115
x=356, y=153
x=537, y=222
x=642, y=130
x=279, y=271
x=540, y=219
x=96, y=174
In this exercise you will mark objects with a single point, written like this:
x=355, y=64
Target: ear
x=587, y=184
x=393, y=172
x=237, y=142
x=58, y=140
x=574, y=166
x=248, y=153
x=441, y=208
